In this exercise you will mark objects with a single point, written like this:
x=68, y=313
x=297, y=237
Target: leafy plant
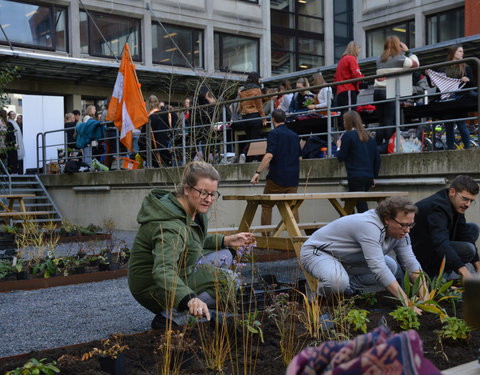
x=47, y=267
x=358, y=319
x=35, y=367
x=369, y=298
x=252, y=324
x=406, y=317
x=284, y=314
x=455, y=328
x=112, y=347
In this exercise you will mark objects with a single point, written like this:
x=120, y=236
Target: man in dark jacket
x=442, y=231
x=283, y=157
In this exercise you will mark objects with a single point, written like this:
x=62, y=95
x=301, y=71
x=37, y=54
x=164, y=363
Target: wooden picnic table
x=288, y=205
x=7, y=213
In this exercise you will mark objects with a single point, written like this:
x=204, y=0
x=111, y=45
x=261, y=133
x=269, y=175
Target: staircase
x=29, y=184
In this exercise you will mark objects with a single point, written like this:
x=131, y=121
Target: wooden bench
x=309, y=228
x=7, y=216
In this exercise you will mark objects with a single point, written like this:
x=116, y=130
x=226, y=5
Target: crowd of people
x=12, y=150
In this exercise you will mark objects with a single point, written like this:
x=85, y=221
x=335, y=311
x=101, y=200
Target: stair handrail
x=48, y=196
x=9, y=178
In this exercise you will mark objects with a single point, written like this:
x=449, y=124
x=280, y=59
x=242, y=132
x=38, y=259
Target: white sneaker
x=242, y=159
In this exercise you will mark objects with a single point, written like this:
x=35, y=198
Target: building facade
x=72, y=47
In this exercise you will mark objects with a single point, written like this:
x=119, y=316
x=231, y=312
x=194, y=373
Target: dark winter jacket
x=162, y=269
x=361, y=158
x=437, y=223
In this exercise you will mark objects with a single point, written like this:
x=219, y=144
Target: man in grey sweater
x=349, y=254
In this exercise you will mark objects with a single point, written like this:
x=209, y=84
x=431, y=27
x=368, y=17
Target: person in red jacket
x=347, y=68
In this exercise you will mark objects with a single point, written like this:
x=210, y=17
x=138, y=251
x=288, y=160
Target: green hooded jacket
x=162, y=270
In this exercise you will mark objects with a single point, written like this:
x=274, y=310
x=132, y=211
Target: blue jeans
x=450, y=133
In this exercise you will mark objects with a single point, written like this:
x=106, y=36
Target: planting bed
x=140, y=358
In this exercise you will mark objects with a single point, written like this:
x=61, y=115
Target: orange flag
x=127, y=107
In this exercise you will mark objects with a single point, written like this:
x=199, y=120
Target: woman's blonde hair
x=89, y=110
x=317, y=79
x=194, y=171
x=304, y=82
x=391, y=48
x=352, y=120
x=153, y=102
x=353, y=49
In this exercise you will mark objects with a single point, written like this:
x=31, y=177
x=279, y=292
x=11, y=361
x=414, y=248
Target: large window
x=105, y=35
x=297, y=35
x=437, y=31
x=376, y=38
x=235, y=53
x=189, y=41
x=38, y=26
x=342, y=26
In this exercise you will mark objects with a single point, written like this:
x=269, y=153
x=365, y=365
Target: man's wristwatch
x=257, y=172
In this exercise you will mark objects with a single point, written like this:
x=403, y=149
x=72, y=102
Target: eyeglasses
x=465, y=199
x=405, y=225
x=204, y=194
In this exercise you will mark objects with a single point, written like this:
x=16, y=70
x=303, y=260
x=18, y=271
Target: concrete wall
x=117, y=195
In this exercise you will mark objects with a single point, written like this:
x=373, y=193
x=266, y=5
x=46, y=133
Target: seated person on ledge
x=442, y=231
x=349, y=254
x=174, y=264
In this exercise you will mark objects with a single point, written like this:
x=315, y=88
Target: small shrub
x=253, y=325
x=34, y=367
x=112, y=347
x=369, y=298
x=358, y=320
x=455, y=328
x=406, y=317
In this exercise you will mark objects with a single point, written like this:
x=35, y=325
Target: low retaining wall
x=86, y=198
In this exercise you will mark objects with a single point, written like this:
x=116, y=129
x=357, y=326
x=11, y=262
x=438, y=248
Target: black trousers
x=360, y=184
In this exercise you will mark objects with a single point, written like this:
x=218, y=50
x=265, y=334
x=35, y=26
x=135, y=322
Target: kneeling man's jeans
x=338, y=277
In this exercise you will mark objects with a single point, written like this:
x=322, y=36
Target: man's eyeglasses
x=465, y=199
x=204, y=194
x=405, y=225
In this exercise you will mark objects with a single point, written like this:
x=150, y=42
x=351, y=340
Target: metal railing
x=216, y=136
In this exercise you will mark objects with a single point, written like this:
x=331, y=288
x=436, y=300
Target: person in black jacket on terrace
x=442, y=231
x=358, y=149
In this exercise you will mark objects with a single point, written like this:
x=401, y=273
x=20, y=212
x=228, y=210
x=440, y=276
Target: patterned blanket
x=377, y=352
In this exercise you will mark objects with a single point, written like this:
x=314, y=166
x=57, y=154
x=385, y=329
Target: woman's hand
x=339, y=143
x=465, y=79
x=239, y=239
x=311, y=106
x=197, y=308
x=403, y=47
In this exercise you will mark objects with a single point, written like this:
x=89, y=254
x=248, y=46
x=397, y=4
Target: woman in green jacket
x=174, y=263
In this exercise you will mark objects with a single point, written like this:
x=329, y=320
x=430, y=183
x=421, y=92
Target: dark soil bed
x=140, y=357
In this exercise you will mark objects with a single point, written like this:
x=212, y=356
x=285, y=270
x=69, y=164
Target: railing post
x=148, y=140
x=397, y=114
x=44, y=154
x=184, y=142
x=224, y=132
x=117, y=141
x=329, y=123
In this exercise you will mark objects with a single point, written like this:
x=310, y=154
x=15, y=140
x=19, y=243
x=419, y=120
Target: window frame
x=52, y=10
x=430, y=16
x=89, y=34
x=298, y=34
x=220, y=59
x=409, y=23
x=192, y=30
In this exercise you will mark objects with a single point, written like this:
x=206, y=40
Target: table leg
x=22, y=205
x=293, y=231
x=247, y=217
x=338, y=207
x=10, y=203
x=349, y=206
x=281, y=226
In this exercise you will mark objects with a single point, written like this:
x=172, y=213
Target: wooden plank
x=247, y=217
x=20, y=214
x=370, y=195
x=17, y=195
x=267, y=228
x=277, y=243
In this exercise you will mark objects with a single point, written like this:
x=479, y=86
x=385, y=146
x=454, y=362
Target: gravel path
x=66, y=315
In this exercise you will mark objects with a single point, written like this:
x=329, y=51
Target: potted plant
x=68, y=228
x=34, y=367
x=111, y=356
x=45, y=267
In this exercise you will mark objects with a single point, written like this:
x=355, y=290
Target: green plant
x=252, y=324
x=284, y=314
x=369, y=298
x=358, y=319
x=455, y=328
x=46, y=266
x=5, y=268
x=9, y=229
x=35, y=367
x=406, y=317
